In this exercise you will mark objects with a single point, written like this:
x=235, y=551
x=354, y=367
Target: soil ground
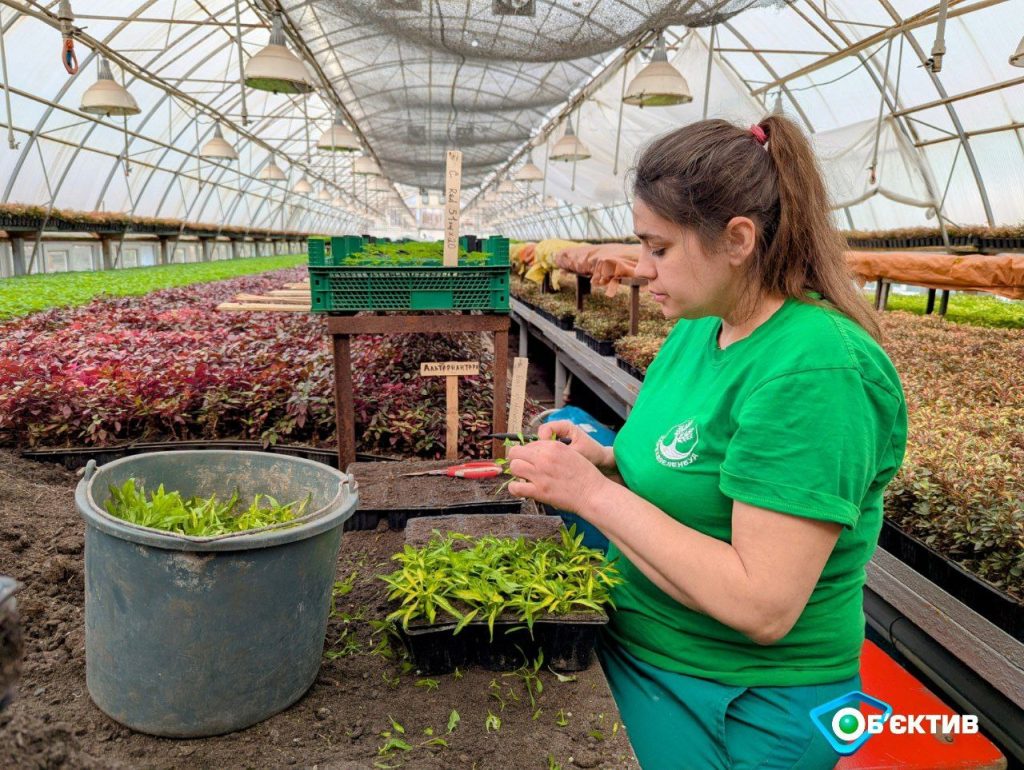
x=337, y=725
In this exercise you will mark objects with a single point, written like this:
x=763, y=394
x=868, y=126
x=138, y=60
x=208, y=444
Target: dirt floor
x=338, y=724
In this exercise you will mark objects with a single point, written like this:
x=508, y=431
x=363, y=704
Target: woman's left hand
x=553, y=473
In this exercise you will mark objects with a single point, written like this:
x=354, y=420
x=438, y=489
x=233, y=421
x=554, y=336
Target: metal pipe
x=7, y=91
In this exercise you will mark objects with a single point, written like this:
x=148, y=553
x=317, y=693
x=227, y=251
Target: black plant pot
x=629, y=368
x=996, y=606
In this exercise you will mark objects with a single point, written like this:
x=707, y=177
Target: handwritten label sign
x=450, y=369
x=452, y=193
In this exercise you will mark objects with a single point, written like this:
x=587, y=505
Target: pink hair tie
x=759, y=134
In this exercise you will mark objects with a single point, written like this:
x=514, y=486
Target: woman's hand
x=554, y=473
x=582, y=442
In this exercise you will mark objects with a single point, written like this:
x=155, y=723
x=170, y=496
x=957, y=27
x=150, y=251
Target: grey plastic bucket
x=193, y=636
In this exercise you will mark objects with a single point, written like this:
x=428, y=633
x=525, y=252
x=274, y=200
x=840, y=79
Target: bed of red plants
x=167, y=365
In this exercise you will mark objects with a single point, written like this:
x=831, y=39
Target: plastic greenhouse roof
x=415, y=77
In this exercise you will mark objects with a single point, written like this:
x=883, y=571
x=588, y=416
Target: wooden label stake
x=451, y=371
x=515, y=410
x=452, y=193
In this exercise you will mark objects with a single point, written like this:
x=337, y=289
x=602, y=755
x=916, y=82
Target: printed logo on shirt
x=677, y=448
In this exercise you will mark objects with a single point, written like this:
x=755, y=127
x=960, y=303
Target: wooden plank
x=449, y=368
x=416, y=324
x=452, y=193
x=267, y=307
x=518, y=399
x=271, y=300
x=298, y=285
x=288, y=293
x=451, y=409
x=991, y=652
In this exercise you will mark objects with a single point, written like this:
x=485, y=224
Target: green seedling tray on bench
x=348, y=286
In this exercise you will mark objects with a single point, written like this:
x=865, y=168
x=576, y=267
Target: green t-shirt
x=806, y=417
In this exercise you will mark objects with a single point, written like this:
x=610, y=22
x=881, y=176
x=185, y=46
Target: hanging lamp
x=569, y=148
x=659, y=84
x=323, y=195
x=506, y=187
x=338, y=202
x=551, y=202
x=338, y=137
x=218, y=147
x=302, y=187
x=1017, y=59
x=529, y=172
x=275, y=68
x=271, y=172
x=365, y=166
x=106, y=96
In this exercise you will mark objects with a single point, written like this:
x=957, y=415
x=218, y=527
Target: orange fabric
x=1001, y=274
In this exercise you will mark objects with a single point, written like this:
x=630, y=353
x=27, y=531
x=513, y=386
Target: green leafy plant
x=489, y=578
x=197, y=517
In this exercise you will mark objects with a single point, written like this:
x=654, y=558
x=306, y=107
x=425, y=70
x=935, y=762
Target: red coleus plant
x=167, y=365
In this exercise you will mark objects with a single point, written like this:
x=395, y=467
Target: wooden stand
x=634, y=285
x=341, y=329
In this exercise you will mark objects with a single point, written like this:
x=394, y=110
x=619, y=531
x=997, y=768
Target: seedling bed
x=996, y=606
x=386, y=495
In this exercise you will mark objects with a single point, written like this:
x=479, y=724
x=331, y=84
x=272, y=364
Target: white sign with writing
x=450, y=369
x=452, y=193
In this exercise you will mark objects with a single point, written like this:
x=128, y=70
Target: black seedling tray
x=629, y=368
x=568, y=645
x=398, y=517
x=562, y=322
x=601, y=347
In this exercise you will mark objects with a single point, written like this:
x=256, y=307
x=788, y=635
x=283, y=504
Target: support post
x=524, y=340
x=236, y=248
x=582, y=290
x=18, y=254
x=499, y=415
x=166, y=249
x=207, y=244
x=107, y=252
x=885, y=295
x=634, y=285
x=944, y=303
x=344, y=408
x=560, y=378
x=930, y=306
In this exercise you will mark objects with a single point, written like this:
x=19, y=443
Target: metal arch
x=892, y=102
x=60, y=94
x=155, y=109
x=951, y=110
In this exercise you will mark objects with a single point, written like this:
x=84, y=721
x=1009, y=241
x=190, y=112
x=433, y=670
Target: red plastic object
x=885, y=679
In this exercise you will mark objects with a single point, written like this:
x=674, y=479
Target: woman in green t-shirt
x=743, y=496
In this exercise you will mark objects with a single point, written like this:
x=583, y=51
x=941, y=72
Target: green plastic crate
x=318, y=250
x=351, y=288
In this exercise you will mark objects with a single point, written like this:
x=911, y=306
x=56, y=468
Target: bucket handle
x=349, y=481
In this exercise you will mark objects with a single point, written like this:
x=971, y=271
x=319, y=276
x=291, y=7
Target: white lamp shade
x=275, y=68
x=338, y=202
x=529, y=173
x=218, y=147
x=1017, y=59
x=569, y=148
x=302, y=187
x=490, y=196
x=551, y=202
x=380, y=184
x=323, y=195
x=271, y=172
x=106, y=96
x=506, y=187
x=659, y=84
x=338, y=137
x=366, y=167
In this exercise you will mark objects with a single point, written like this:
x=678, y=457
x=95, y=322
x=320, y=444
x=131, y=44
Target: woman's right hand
x=600, y=455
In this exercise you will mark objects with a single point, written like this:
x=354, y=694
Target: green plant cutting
x=462, y=578
x=197, y=516
x=410, y=254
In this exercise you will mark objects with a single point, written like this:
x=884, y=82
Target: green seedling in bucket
x=196, y=516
